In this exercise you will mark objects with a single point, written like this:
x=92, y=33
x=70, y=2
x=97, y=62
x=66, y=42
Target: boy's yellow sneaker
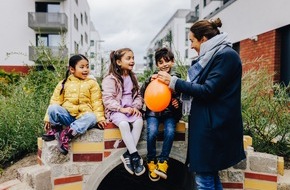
x=152, y=175
x=161, y=169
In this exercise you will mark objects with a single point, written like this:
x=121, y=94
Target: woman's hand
x=47, y=126
x=175, y=103
x=102, y=124
x=154, y=76
x=164, y=77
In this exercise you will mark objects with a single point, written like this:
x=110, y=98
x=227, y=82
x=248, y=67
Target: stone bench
x=94, y=151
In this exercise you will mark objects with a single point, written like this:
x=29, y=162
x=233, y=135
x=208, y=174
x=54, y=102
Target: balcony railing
x=36, y=53
x=48, y=22
x=191, y=17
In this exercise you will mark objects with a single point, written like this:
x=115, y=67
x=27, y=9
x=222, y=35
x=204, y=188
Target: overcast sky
x=132, y=23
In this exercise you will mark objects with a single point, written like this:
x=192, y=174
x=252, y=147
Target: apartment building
x=63, y=26
x=173, y=35
x=259, y=30
x=96, y=55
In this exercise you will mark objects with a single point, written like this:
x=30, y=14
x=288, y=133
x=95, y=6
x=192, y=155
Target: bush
x=22, y=109
x=265, y=108
x=5, y=80
x=22, y=112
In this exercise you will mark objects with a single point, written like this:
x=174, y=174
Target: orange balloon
x=157, y=96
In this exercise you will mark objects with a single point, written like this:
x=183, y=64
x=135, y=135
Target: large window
x=48, y=40
x=47, y=7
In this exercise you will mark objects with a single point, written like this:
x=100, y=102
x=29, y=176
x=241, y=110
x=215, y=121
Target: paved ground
x=11, y=172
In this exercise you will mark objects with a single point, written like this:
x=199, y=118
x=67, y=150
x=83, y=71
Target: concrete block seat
x=96, y=150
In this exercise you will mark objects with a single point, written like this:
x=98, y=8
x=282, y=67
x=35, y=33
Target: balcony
x=45, y=52
x=48, y=22
x=191, y=17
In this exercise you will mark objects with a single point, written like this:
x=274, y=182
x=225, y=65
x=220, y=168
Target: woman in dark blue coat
x=215, y=120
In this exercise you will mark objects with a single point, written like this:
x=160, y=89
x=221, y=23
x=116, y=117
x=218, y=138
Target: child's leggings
x=129, y=137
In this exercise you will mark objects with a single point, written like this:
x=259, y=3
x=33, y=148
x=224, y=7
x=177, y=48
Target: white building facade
x=96, y=54
x=52, y=24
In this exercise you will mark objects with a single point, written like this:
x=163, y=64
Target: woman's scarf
x=207, y=50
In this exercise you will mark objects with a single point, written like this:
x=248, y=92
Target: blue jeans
x=152, y=132
x=60, y=116
x=208, y=181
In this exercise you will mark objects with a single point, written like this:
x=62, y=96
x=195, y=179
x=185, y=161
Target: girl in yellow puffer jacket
x=76, y=103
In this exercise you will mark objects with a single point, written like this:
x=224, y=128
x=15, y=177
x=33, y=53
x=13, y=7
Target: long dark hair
x=207, y=28
x=72, y=63
x=116, y=70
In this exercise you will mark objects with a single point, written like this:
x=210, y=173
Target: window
x=82, y=40
x=186, y=36
x=76, y=22
x=86, y=38
x=76, y=48
x=81, y=18
x=236, y=47
x=47, y=7
x=92, y=55
x=48, y=39
x=225, y=1
x=77, y=2
x=86, y=18
x=197, y=11
x=92, y=43
x=186, y=53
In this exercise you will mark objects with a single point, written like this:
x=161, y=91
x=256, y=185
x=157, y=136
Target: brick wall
x=263, y=52
x=17, y=69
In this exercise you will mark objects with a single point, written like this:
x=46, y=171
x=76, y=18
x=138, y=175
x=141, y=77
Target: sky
x=132, y=23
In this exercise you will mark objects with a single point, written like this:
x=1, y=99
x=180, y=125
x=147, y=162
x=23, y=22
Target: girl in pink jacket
x=123, y=102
